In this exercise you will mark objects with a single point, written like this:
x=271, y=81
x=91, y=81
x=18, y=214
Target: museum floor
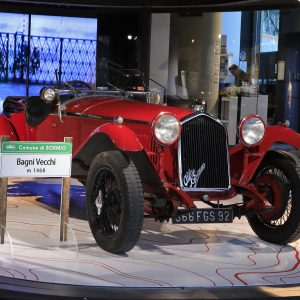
x=185, y=256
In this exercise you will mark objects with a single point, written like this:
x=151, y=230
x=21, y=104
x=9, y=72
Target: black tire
x=284, y=227
x=113, y=183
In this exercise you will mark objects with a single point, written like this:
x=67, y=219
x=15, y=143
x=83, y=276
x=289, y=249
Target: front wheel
x=279, y=180
x=115, y=202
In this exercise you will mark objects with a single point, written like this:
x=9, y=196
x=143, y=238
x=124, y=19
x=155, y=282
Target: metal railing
x=74, y=58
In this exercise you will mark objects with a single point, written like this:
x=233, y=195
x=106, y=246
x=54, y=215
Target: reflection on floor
x=166, y=255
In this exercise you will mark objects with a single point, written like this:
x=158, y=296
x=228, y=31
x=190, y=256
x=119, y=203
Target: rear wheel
x=115, y=202
x=279, y=180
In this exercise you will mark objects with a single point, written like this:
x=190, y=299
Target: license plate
x=204, y=215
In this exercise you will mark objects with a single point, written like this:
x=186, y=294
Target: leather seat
x=13, y=104
x=36, y=110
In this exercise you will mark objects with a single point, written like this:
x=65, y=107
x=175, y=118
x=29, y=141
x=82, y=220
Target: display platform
x=170, y=258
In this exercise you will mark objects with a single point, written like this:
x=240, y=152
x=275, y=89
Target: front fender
x=107, y=137
x=244, y=163
x=7, y=129
x=280, y=134
x=121, y=135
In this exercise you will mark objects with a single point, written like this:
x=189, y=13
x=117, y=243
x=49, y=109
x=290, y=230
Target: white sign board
x=30, y=159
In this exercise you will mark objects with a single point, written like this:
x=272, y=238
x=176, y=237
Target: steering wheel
x=76, y=84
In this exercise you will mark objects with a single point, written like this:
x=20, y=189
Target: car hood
x=115, y=107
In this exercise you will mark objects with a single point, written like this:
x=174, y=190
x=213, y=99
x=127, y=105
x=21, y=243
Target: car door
x=54, y=128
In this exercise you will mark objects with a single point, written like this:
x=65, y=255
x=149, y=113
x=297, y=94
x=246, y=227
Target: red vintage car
x=146, y=160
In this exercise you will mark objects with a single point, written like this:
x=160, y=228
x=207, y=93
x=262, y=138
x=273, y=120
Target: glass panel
x=159, y=54
x=194, y=61
x=208, y=61
x=120, y=52
x=70, y=245
x=6, y=250
x=13, y=51
x=269, y=37
x=185, y=54
x=269, y=30
x=287, y=69
x=57, y=44
x=230, y=44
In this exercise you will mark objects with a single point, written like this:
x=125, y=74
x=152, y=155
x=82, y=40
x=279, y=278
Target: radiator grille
x=203, y=154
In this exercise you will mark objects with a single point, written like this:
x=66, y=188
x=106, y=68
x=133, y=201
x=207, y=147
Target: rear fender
x=7, y=129
x=245, y=162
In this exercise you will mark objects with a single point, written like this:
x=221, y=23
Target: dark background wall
x=154, y=5
x=288, y=90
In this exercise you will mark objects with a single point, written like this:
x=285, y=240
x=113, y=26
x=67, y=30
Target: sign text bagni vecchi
x=36, y=161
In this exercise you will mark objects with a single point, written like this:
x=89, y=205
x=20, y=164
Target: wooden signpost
x=3, y=199
x=65, y=202
x=36, y=159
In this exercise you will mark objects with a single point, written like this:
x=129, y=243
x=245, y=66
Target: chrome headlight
x=48, y=95
x=252, y=130
x=166, y=129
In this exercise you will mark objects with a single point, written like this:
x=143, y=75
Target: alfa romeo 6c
x=140, y=160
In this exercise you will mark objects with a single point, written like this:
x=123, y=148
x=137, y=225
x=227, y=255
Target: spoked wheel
x=278, y=179
x=115, y=202
x=108, y=203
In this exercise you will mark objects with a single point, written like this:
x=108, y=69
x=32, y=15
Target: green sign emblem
x=37, y=147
